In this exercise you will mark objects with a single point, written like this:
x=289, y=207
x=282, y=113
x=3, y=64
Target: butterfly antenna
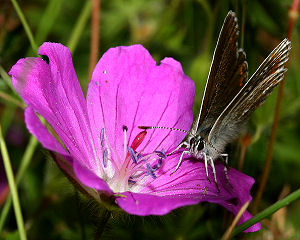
x=168, y=128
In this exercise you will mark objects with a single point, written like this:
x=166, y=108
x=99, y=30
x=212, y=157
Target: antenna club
x=144, y=127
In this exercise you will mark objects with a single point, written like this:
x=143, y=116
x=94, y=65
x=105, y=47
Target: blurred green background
x=186, y=30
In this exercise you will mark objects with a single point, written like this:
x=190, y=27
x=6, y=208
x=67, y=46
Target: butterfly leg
x=214, y=172
x=179, y=146
x=225, y=155
x=180, y=160
x=205, y=163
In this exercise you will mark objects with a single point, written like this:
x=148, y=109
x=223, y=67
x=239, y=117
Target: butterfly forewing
x=227, y=76
x=251, y=96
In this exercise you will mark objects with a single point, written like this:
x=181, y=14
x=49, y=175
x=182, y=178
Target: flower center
x=135, y=168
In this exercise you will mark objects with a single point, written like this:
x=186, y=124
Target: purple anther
x=158, y=164
x=150, y=171
x=155, y=167
x=161, y=154
x=105, y=152
x=131, y=181
x=132, y=155
x=102, y=137
x=139, y=156
x=160, y=161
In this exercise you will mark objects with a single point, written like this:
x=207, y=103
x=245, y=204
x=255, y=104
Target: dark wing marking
x=251, y=96
x=228, y=73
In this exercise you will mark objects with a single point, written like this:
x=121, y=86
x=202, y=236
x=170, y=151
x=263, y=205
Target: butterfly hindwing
x=251, y=96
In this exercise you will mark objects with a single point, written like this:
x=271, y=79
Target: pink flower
x=99, y=139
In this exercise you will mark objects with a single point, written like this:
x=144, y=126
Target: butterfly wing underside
x=228, y=73
x=251, y=96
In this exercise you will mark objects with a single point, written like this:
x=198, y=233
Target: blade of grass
x=267, y=212
x=12, y=100
x=79, y=26
x=7, y=117
x=13, y=188
x=25, y=161
x=25, y=25
x=6, y=78
x=47, y=20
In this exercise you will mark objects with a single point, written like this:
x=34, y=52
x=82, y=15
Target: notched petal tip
x=173, y=63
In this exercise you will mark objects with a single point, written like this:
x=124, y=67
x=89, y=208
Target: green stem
x=13, y=188
x=6, y=78
x=46, y=22
x=25, y=161
x=268, y=211
x=48, y=18
x=11, y=100
x=25, y=25
x=79, y=26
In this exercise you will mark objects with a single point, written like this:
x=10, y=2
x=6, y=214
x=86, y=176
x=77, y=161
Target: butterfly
x=229, y=98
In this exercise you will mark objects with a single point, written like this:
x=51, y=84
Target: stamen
x=125, y=129
x=150, y=171
x=131, y=181
x=102, y=137
x=135, y=143
x=158, y=164
x=132, y=154
x=161, y=154
x=105, y=158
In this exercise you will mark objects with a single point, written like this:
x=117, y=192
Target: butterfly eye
x=200, y=145
x=192, y=141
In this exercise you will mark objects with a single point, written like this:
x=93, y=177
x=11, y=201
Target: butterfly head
x=196, y=144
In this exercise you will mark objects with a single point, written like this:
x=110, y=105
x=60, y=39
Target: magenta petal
x=36, y=128
x=146, y=204
x=129, y=88
x=88, y=178
x=53, y=91
x=189, y=185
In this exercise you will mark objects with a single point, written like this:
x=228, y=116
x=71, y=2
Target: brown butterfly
x=229, y=99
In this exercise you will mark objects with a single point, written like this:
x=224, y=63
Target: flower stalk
x=12, y=187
